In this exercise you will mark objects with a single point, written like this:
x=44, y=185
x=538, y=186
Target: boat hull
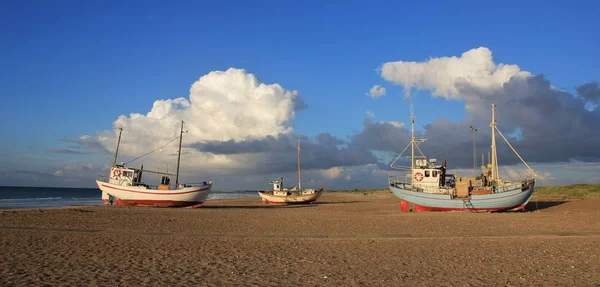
x=140, y=196
x=290, y=199
x=515, y=199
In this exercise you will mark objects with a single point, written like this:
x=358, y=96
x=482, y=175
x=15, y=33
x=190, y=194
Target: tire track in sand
x=311, y=236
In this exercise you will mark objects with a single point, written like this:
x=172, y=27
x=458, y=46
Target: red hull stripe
x=155, y=193
x=425, y=208
x=288, y=203
x=163, y=203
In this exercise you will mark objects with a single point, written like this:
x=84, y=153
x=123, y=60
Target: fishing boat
x=124, y=186
x=431, y=189
x=293, y=195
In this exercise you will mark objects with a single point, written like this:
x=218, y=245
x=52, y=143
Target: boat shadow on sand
x=266, y=206
x=336, y=202
x=543, y=204
x=256, y=206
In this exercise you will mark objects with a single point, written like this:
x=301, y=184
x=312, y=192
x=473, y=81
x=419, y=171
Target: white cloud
x=222, y=105
x=58, y=173
x=332, y=173
x=520, y=172
x=395, y=124
x=444, y=75
x=370, y=114
x=376, y=92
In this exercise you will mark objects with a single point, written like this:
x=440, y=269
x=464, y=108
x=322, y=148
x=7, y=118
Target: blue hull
x=514, y=199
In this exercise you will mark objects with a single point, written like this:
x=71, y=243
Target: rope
x=151, y=151
x=445, y=150
x=513, y=149
x=112, y=160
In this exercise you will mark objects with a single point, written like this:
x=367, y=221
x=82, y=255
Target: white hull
x=142, y=196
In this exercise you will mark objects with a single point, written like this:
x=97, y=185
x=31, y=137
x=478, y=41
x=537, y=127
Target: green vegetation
x=363, y=191
x=564, y=192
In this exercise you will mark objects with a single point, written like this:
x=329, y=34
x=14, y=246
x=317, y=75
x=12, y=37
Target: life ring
x=418, y=176
x=116, y=173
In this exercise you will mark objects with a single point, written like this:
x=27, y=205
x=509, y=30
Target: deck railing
x=194, y=184
x=395, y=182
x=102, y=178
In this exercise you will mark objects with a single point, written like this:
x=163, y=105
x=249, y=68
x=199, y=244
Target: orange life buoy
x=116, y=173
x=418, y=176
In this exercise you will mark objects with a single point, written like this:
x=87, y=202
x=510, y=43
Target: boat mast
x=118, y=143
x=299, y=184
x=482, y=161
x=179, y=157
x=494, y=158
x=473, y=130
x=412, y=143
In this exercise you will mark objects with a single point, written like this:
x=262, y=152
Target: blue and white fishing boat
x=431, y=189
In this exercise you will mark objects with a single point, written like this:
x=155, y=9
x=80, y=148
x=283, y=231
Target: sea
x=36, y=197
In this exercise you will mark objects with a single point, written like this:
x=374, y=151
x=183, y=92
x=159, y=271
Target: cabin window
x=426, y=173
x=434, y=173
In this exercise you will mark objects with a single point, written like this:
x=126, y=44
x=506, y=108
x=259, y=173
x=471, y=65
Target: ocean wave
x=30, y=198
x=57, y=201
x=231, y=194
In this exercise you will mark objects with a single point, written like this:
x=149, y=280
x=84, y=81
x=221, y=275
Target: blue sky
x=71, y=68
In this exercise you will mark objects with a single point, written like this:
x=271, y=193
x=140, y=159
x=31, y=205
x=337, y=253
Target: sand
x=343, y=239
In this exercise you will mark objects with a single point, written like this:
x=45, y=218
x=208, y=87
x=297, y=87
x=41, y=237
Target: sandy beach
x=347, y=239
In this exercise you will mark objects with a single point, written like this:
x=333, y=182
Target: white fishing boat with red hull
x=124, y=186
x=294, y=195
x=431, y=189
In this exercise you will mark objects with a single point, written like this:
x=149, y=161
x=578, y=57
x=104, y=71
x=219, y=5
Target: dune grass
x=565, y=192
x=363, y=191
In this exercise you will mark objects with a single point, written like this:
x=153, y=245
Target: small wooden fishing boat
x=294, y=195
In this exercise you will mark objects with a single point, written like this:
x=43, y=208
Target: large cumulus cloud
x=445, y=75
x=222, y=105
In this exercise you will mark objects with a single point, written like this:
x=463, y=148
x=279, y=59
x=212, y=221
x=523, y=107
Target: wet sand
x=343, y=239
